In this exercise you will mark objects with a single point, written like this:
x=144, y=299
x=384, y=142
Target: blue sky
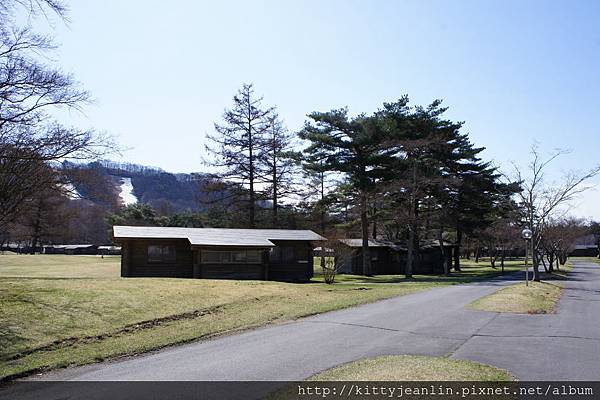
x=514, y=71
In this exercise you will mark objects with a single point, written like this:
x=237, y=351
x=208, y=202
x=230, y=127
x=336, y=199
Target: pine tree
x=240, y=144
x=352, y=147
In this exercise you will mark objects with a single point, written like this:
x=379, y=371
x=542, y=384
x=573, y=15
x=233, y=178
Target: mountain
x=114, y=185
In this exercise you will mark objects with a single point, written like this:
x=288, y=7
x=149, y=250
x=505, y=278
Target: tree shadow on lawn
x=9, y=339
x=464, y=276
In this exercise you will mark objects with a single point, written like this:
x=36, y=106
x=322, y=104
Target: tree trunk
x=457, y=250
x=477, y=254
x=364, y=222
x=443, y=252
x=322, y=222
x=502, y=258
x=410, y=256
x=275, y=222
x=37, y=227
x=535, y=262
x=251, y=177
x=374, y=233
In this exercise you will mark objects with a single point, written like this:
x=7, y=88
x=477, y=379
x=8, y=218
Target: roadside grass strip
x=537, y=298
x=413, y=368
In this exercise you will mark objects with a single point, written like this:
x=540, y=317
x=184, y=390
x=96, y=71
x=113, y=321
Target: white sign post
x=527, y=234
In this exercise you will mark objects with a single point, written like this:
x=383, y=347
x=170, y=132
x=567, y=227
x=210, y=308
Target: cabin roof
x=397, y=246
x=216, y=236
x=71, y=246
x=109, y=247
x=358, y=243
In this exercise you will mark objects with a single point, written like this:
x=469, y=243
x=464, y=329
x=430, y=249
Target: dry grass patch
x=413, y=368
x=537, y=298
x=59, y=310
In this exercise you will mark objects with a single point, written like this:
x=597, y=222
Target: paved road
x=561, y=346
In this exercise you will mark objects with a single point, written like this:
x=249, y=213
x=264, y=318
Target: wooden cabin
x=109, y=250
x=583, y=250
x=585, y=246
x=71, y=249
x=389, y=258
x=216, y=253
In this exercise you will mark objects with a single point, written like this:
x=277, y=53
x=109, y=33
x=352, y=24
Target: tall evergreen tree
x=410, y=132
x=352, y=147
x=240, y=143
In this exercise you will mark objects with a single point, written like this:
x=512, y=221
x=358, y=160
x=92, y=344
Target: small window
x=238, y=256
x=283, y=254
x=225, y=257
x=211, y=257
x=161, y=253
x=253, y=257
x=230, y=257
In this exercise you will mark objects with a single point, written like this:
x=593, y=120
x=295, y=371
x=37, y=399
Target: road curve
x=561, y=346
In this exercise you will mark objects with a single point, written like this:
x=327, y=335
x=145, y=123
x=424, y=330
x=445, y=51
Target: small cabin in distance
x=216, y=253
x=389, y=258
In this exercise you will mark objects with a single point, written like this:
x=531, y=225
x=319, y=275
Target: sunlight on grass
x=537, y=298
x=59, y=310
x=413, y=368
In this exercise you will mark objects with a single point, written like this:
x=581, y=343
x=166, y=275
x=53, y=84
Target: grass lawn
x=413, y=368
x=537, y=298
x=59, y=310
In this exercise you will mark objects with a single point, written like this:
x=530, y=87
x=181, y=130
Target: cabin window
x=283, y=254
x=161, y=253
x=230, y=257
x=253, y=257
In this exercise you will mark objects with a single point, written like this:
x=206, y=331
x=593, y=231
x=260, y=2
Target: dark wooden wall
x=295, y=269
x=589, y=252
x=390, y=262
x=134, y=260
x=381, y=261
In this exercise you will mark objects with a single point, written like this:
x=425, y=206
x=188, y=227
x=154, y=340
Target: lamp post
x=527, y=234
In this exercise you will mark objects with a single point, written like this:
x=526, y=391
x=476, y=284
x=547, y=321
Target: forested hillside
x=103, y=183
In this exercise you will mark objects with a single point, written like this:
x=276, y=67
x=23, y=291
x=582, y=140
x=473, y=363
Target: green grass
x=403, y=368
x=413, y=368
x=537, y=298
x=58, y=310
x=470, y=271
x=590, y=259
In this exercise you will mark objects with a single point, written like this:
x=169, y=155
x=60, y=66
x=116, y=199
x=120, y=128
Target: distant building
x=585, y=246
x=216, y=253
x=71, y=249
x=109, y=250
x=389, y=258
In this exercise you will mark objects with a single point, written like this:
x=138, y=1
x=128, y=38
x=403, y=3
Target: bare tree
x=334, y=255
x=541, y=200
x=239, y=144
x=33, y=7
x=558, y=240
x=281, y=164
x=30, y=140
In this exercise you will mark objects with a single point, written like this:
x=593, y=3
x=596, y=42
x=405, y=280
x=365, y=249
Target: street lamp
x=527, y=234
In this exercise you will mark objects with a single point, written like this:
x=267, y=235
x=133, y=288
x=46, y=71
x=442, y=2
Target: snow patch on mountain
x=126, y=195
x=71, y=192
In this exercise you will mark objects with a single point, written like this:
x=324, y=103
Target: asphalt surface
x=561, y=346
